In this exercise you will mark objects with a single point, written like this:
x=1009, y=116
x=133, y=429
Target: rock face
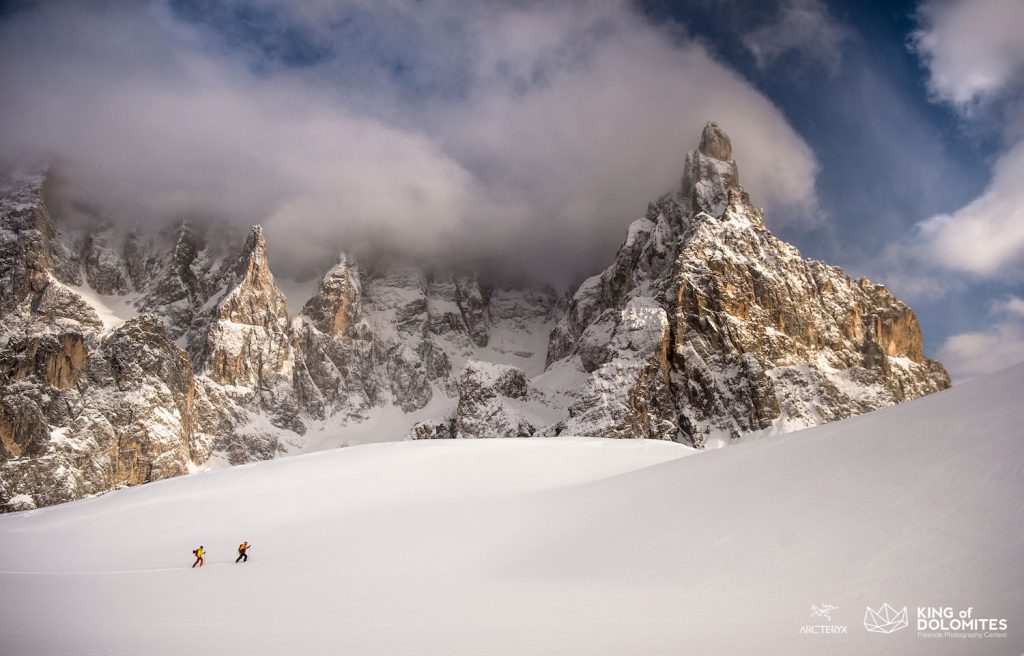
x=708, y=326
x=628, y=394
x=129, y=355
x=245, y=358
x=493, y=402
x=36, y=266
x=715, y=143
x=337, y=366
x=487, y=406
x=82, y=414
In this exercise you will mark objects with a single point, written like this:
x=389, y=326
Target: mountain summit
x=707, y=326
x=714, y=142
x=132, y=357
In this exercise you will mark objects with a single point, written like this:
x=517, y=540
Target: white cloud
x=973, y=48
x=975, y=353
x=985, y=237
x=527, y=134
x=803, y=26
x=975, y=56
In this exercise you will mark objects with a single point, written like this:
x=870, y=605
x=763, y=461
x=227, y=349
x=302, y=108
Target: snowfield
x=549, y=546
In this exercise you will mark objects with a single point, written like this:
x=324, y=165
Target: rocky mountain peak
x=337, y=303
x=714, y=142
x=708, y=174
x=252, y=259
x=704, y=328
x=741, y=211
x=29, y=247
x=255, y=298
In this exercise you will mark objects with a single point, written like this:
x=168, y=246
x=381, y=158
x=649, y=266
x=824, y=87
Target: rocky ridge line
x=703, y=329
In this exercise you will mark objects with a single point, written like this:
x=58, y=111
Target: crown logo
x=885, y=620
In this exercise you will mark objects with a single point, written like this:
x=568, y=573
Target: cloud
x=523, y=134
x=801, y=26
x=975, y=60
x=972, y=48
x=984, y=238
x=975, y=353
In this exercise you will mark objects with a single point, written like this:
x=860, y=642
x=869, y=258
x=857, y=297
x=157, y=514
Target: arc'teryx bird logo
x=825, y=610
x=885, y=620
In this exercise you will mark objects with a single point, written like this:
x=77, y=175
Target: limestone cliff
x=130, y=354
x=741, y=333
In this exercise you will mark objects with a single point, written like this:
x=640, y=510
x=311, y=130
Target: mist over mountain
x=521, y=135
x=600, y=326
x=134, y=355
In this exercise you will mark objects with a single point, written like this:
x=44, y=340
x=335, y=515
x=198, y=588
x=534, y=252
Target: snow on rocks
x=493, y=402
x=484, y=410
x=121, y=407
x=246, y=356
x=627, y=393
x=750, y=323
x=336, y=365
x=704, y=325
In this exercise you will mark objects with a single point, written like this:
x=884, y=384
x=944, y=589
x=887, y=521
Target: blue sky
x=891, y=154
x=893, y=151
x=884, y=137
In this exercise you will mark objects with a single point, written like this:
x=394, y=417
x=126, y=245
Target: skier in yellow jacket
x=242, y=555
x=199, y=553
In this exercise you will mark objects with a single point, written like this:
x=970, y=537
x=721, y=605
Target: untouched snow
x=386, y=423
x=113, y=310
x=548, y=546
x=523, y=345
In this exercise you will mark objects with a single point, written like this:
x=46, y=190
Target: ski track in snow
x=548, y=546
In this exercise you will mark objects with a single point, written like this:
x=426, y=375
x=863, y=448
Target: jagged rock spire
x=705, y=326
x=337, y=303
x=254, y=299
x=736, y=333
x=714, y=142
x=709, y=174
x=254, y=252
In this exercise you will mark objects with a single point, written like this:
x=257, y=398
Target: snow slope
x=113, y=309
x=548, y=546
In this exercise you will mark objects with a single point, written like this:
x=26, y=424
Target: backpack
x=195, y=552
